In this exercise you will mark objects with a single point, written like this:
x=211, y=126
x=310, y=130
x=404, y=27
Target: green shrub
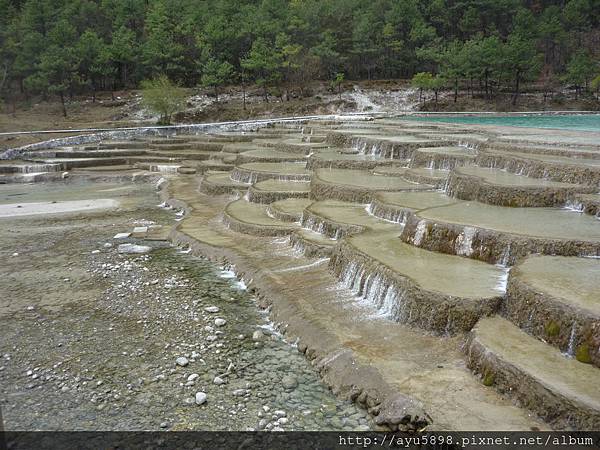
x=582, y=354
x=552, y=329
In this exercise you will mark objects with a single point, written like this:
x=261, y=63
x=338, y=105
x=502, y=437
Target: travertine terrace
x=436, y=274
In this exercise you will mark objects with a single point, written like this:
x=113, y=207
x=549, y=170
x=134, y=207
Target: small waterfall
x=571, y=345
x=372, y=289
x=574, y=205
x=464, y=242
x=420, y=231
x=310, y=223
x=505, y=258
x=388, y=214
x=503, y=280
x=38, y=168
x=164, y=168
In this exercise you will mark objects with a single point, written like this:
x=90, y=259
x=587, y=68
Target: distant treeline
x=66, y=47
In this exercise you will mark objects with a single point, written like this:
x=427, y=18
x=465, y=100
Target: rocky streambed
x=95, y=339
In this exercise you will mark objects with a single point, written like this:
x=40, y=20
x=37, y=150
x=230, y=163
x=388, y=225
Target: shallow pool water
x=583, y=122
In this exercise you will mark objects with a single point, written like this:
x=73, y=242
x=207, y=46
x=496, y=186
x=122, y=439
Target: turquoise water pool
x=583, y=122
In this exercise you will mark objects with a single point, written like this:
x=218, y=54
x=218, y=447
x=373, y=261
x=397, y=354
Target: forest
x=68, y=47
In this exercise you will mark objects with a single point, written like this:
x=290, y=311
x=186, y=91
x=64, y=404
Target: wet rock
x=257, y=335
x=201, y=398
x=133, y=249
x=403, y=413
x=182, y=361
x=289, y=382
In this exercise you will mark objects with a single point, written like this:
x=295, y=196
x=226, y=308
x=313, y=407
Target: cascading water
x=464, y=242
x=420, y=231
x=165, y=168
x=373, y=288
x=571, y=345
x=38, y=168
x=574, y=205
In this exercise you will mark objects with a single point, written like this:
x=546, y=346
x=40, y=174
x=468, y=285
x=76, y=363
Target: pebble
x=257, y=335
x=280, y=413
x=212, y=309
x=182, y=361
x=133, y=249
x=218, y=381
x=193, y=377
x=200, y=398
x=220, y=322
x=289, y=382
x=239, y=392
x=164, y=425
x=15, y=254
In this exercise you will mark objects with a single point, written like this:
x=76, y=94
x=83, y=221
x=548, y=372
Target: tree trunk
x=516, y=94
x=243, y=95
x=62, y=102
x=455, y=90
x=487, y=93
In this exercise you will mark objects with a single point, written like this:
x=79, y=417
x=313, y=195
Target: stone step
x=563, y=391
x=266, y=155
x=289, y=209
x=119, y=145
x=499, y=187
x=217, y=183
x=76, y=152
x=72, y=163
x=393, y=146
x=446, y=158
x=433, y=177
x=501, y=235
x=545, y=149
x=253, y=218
x=334, y=159
x=556, y=168
x=215, y=165
x=25, y=167
x=240, y=147
x=295, y=145
x=356, y=186
x=259, y=171
x=462, y=139
x=33, y=177
x=587, y=203
x=312, y=244
x=398, y=206
x=430, y=290
x=335, y=219
x=269, y=191
x=557, y=299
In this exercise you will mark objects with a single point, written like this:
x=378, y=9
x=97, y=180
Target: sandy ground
x=33, y=208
